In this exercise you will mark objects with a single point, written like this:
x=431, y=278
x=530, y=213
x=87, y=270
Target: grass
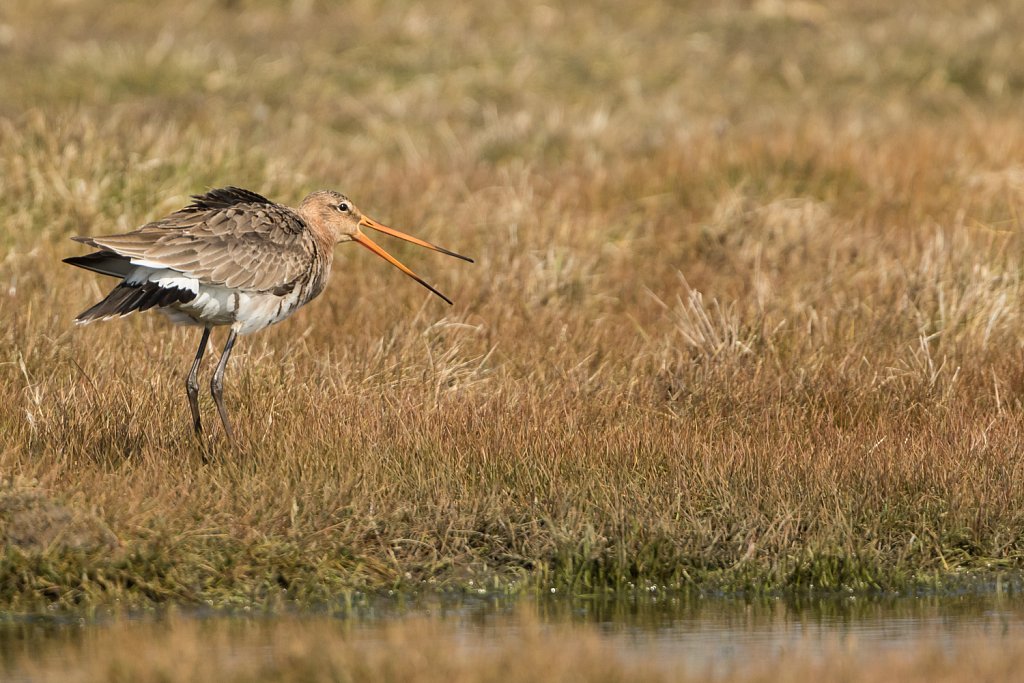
x=745, y=314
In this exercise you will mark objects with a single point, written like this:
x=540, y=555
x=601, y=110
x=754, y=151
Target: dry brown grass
x=746, y=311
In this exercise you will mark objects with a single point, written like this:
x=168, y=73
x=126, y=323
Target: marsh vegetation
x=745, y=314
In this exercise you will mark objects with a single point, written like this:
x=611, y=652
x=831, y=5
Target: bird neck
x=323, y=236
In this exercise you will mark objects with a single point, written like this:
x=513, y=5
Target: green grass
x=745, y=314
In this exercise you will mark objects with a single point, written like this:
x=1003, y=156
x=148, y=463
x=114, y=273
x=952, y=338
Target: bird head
x=335, y=213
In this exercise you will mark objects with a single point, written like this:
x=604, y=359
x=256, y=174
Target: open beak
x=362, y=239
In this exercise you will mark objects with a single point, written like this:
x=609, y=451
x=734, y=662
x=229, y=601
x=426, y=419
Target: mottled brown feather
x=230, y=237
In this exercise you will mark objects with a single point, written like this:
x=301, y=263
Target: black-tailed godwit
x=231, y=257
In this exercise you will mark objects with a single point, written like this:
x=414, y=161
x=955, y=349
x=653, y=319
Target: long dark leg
x=217, y=384
x=192, y=383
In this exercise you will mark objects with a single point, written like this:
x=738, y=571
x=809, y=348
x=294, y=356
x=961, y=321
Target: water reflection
x=716, y=629
x=701, y=628
x=670, y=628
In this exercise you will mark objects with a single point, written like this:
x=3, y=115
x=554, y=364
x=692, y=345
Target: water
x=706, y=631
x=702, y=631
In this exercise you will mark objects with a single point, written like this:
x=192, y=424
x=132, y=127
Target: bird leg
x=217, y=384
x=192, y=383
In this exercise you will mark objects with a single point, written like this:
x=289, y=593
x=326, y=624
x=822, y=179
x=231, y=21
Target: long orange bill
x=372, y=246
x=370, y=223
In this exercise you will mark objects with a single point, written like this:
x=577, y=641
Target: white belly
x=246, y=312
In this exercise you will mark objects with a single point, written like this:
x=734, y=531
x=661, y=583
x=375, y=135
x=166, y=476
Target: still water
x=709, y=632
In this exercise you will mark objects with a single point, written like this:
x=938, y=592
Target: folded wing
x=228, y=237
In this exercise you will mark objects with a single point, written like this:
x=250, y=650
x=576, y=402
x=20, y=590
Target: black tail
x=103, y=262
x=126, y=298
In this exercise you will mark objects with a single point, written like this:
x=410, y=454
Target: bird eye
x=343, y=207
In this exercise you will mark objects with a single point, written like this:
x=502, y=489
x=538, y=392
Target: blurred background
x=526, y=123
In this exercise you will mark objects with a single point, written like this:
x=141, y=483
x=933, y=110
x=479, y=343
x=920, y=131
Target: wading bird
x=231, y=257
